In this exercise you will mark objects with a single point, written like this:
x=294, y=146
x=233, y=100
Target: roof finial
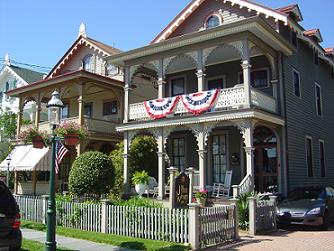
x=82, y=30
x=7, y=60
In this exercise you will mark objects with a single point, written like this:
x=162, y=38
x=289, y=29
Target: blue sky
x=40, y=31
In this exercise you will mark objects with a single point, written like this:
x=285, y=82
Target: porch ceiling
x=254, y=25
x=212, y=117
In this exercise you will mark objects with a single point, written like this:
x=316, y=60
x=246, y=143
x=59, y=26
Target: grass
x=28, y=245
x=116, y=240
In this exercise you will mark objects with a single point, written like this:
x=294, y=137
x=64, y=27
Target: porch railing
x=228, y=99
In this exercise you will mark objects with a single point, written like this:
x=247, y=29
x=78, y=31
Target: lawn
x=28, y=245
x=116, y=240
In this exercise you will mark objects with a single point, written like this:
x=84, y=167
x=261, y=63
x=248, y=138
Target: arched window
x=87, y=62
x=212, y=21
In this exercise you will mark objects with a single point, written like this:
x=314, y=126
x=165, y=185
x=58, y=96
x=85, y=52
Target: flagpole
x=51, y=213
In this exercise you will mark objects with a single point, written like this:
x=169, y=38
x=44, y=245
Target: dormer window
x=213, y=21
x=87, y=63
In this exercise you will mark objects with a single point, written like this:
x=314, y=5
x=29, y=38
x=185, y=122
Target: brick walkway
x=291, y=239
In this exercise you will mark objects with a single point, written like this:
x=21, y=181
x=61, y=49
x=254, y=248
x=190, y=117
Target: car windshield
x=306, y=193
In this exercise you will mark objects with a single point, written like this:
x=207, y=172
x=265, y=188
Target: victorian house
x=92, y=92
x=234, y=85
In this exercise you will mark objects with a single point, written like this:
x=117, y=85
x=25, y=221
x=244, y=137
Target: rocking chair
x=222, y=190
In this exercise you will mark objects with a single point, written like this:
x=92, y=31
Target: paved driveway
x=289, y=239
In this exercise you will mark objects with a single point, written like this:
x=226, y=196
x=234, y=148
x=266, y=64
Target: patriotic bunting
x=160, y=108
x=199, y=102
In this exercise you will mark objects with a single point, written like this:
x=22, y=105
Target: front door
x=219, y=157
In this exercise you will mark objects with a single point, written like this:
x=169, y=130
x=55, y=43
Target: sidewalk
x=70, y=243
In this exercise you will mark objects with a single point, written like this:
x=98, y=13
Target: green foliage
x=137, y=202
x=92, y=172
x=140, y=177
x=143, y=154
x=116, y=157
x=8, y=124
x=30, y=133
x=243, y=208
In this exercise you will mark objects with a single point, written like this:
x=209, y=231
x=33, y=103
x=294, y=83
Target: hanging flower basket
x=71, y=139
x=38, y=142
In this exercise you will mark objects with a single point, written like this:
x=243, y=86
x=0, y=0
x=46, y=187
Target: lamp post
x=54, y=106
x=9, y=159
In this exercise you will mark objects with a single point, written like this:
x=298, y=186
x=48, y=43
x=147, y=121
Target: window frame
x=317, y=85
x=68, y=111
x=90, y=56
x=240, y=73
x=291, y=38
x=184, y=138
x=109, y=101
x=322, y=158
x=218, y=77
x=210, y=16
x=91, y=108
x=170, y=81
x=310, y=170
x=293, y=82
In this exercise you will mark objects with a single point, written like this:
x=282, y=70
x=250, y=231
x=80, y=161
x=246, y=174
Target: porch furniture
x=152, y=187
x=222, y=190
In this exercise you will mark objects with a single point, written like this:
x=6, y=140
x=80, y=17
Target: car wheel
x=325, y=221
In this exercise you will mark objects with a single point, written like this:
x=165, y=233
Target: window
x=296, y=83
x=109, y=108
x=309, y=157
x=65, y=111
x=178, y=150
x=43, y=176
x=217, y=83
x=219, y=158
x=177, y=85
x=111, y=69
x=88, y=109
x=259, y=78
x=322, y=158
x=318, y=101
x=87, y=62
x=7, y=86
x=212, y=21
x=294, y=39
x=316, y=58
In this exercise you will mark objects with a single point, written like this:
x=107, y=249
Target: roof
x=292, y=9
x=28, y=75
x=314, y=33
x=329, y=51
x=105, y=49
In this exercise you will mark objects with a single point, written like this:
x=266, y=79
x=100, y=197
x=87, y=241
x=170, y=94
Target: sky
x=39, y=32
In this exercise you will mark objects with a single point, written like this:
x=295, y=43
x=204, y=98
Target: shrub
x=91, y=172
x=243, y=208
x=137, y=202
x=116, y=157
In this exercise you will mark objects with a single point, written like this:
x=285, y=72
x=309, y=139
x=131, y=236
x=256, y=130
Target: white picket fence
x=31, y=208
x=217, y=225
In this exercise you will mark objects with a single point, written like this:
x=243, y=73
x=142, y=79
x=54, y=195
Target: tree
x=91, y=172
x=116, y=157
x=7, y=124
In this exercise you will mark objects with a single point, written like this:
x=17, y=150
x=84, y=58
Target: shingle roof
x=29, y=76
x=105, y=47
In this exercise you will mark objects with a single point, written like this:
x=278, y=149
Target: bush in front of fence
x=137, y=202
x=91, y=172
x=243, y=208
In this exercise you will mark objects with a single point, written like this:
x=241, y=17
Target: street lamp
x=9, y=159
x=54, y=106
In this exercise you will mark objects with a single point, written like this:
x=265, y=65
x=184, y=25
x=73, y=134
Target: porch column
x=201, y=159
x=126, y=94
x=249, y=149
x=200, y=71
x=126, y=188
x=38, y=113
x=246, y=67
x=34, y=181
x=19, y=117
x=161, y=81
x=81, y=104
x=161, y=166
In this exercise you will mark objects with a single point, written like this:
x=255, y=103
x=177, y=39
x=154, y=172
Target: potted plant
x=201, y=196
x=140, y=180
x=39, y=139
x=72, y=132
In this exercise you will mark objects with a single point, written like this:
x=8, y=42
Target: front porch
x=250, y=148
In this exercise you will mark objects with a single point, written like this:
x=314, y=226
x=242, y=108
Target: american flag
x=61, y=151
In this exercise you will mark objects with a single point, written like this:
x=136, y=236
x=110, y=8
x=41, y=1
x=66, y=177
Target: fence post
x=191, y=183
x=45, y=199
x=235, y=189
x=273, y=200
x=194, y=226
x=172, y=173
x=104, y=215
x=252, y=215
x=236, y=218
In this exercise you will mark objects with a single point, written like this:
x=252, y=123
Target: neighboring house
x=92, y=92
x=234, y=86
x=11, y=77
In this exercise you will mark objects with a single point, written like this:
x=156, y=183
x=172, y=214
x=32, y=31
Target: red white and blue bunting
x=160, y=108
x=199, y=102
